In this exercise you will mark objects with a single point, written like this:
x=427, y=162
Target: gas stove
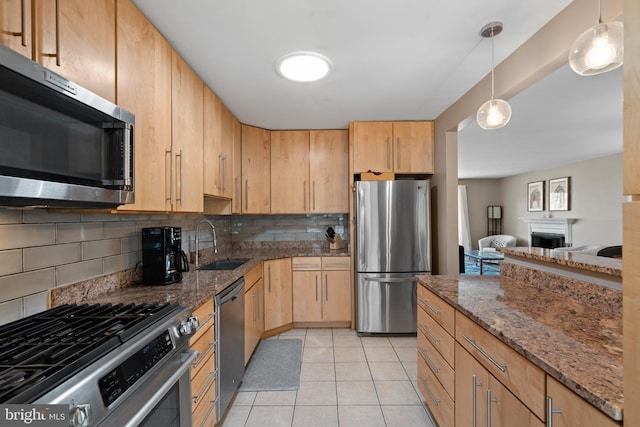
x=92, y=357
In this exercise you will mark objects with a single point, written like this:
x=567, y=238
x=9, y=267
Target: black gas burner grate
x=40, y=351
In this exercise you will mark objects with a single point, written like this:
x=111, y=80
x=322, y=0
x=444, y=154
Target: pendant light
x=599, y=49
x=495, y=113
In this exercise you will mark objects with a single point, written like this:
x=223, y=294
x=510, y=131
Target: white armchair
x=497, y=241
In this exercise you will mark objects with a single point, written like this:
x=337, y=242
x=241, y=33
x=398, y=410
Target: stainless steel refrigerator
x=393, y=245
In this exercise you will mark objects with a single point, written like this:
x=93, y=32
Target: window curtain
x=464, y=232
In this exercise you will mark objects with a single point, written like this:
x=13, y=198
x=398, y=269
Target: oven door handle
x=187, y=358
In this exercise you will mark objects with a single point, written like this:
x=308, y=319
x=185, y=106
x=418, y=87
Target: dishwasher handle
x=231, y=293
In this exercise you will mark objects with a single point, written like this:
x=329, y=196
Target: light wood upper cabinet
x=256, y=170
x=77, y=39
x=236, y=206
x=226, y=159
x=15, y=26
x=278, y=309
x=144, y=87
x=400, y=147
x=329, y=171
x=218, y=147
x=187, y=92
x=289, y=171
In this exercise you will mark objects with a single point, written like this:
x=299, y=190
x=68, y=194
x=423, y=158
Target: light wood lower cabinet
x=203, y=369
x=567, y=409
x=278, y=293
x=321, y=289
x=253, y=310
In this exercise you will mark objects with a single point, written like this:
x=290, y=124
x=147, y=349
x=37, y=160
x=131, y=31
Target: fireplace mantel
x=552, y=226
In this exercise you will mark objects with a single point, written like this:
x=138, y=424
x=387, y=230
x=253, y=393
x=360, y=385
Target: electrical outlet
x=339, y=229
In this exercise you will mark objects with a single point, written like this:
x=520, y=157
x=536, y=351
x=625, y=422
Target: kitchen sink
x=224, y=264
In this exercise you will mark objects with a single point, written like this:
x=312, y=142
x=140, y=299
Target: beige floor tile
x=346, y=341
x=406, y=416
x=275, y=398
x=397, y=393
x=381, y=354
x=317, y=393
x=302, y=338
x=360, y=416
x=296, y=332
x=376, y=342
x=352, y=371
x=245, y=398
x=382, y=371
x=407, y=354
x=236, y=416
x=356, y=393
x=344, y=332
x=317, y=354
x=318, y=341
x=349, y=354
x=411, y=368
x=404, y=341
x=315, y=416
x=272, y=416
x=317, y=372
x=319, y=331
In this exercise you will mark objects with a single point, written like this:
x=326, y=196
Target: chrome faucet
x=215, y=239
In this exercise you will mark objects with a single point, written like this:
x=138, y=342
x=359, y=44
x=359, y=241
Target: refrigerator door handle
x=391, y=280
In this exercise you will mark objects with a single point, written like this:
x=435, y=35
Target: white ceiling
x=392, y=60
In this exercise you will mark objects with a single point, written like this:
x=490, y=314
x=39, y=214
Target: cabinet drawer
x=434, y=395
x=306, y=263
x=204, y=313
x=336, y=263
x=204, y=413
x=203, y=387
x=252, y=276
x=525, y=380
x=206, y=349
x=436, y=363
x=439, y=338
x=439, y=310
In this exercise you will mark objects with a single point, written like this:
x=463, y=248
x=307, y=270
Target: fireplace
x=547, y=240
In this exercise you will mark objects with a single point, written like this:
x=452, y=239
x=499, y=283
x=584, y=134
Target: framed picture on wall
x=559, y=194
x=535, y=196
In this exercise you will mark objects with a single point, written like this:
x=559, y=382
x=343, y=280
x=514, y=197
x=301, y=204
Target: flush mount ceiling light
x=599, y=49
x=303, y=66
x=495, y=113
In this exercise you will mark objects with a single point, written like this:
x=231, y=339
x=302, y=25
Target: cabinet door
x=249, y=322
x=471, y=380
x=144, y=87
x=571, y=410
x=212, y=144
x=329, y=171
x=372, y=149
x=77, y=39
x=236, y=206
x=278, y=296
x=289, y=171
x=307, y=290
x=413, y=147
x=15, y=25
x=226, y=160
x=505, y=409
x=256, y=170
x=336, y=296
x=187, y=92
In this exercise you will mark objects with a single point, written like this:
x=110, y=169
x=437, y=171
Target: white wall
x=596, y=201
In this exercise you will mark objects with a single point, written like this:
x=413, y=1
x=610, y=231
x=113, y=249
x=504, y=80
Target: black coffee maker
x=163, y=260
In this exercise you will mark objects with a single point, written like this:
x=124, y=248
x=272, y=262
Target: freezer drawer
x=387, y=303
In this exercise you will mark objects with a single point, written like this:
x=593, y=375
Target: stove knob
x=185, y=328
x=80, y=416
x=195, y=323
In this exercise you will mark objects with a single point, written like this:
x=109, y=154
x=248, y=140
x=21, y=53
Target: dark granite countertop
x=593, y=263
x=577, y=343
x=196, y=287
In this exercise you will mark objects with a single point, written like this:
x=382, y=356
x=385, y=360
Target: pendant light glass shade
x=598, y=50
x=493, y=114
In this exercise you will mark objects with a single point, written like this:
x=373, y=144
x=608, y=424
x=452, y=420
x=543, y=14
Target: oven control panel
x=118, y=380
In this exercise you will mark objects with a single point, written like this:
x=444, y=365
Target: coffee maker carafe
x=163, y=260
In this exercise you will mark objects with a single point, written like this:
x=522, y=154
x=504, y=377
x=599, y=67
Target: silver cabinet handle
x=326, y=287
x=246, y=194
x=314, y=195
x=501, y=366
x=258, y=307
x=316, y=287
x=433, y=367
x=398, y=152
x=204, y=355
x=435, y=401
x=475, y=384
x=424, y=329
x=490, y=400
x=170, y=153
x=197, y=397
x=551, y=411
x=388, y=153
x=304, y=196
x=23, y=23
x=180, y=182
x=236, y=189
x=224, y=174
x=221, y=171
x=435, y=310
x=269, y=277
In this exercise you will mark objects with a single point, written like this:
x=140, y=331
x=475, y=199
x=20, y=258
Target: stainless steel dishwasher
x=229, y=306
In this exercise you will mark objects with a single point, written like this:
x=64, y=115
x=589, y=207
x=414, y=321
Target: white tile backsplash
x=10, y=262
x=35, y=303
x=100, y=248
x=14, y=236
x=76, y=272
x=11, y=310
x=50, y=256
x=22, y=284
x=79, y=232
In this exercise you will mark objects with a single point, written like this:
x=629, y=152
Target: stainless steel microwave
x=60, y=144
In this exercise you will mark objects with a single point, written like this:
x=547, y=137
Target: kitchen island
x=569, y=329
